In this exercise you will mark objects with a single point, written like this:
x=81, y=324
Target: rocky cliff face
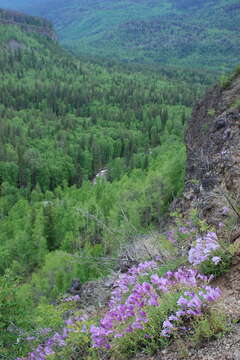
x=213, y=152
x=28, y=23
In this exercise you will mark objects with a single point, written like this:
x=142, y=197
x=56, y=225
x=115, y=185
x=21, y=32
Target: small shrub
x=78, y=345
x=225, y=81
x=211, y=324
x=194, y=181
x=237, y=70
x=49, y=316
x=55, y=277
x=149, y=339
x=205, y=128
x=211, y=112
x=236, y=104
x=222, y=266
x=14, y=315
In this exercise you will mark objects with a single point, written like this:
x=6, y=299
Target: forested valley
x=64, y=121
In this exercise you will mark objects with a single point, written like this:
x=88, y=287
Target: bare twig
x=231, y=204
x=97, y=220
x=236, y=342
x=235, y=236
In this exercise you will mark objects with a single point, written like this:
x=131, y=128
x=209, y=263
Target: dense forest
x=186, y=33
x=27, y=23
x=62, y=122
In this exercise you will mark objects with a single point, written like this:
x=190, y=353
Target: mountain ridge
x=28, y=23
x=186, y=33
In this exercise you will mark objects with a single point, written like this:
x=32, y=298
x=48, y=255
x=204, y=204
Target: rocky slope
x=213, y=187
x=28, y=23
x=213, y=147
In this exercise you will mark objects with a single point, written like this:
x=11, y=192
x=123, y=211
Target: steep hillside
x=213, y=144
x=183, y=33
x=27, y=23
x=212, y=186
x=183, y=303
x=62, y=122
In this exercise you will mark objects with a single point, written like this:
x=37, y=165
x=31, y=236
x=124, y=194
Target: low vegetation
x=151, y=306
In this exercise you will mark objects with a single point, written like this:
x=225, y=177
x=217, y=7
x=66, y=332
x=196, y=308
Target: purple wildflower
x=216, y=260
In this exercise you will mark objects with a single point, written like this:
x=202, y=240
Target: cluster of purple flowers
x=186, y=230
x=71, y=298
x=38, y=333
x=127, y=308
x=137, y=290
x=192, y=304
x=129, y=279
x=203, y=249
x=56, y=341
x=46, y=349
x=123, y=306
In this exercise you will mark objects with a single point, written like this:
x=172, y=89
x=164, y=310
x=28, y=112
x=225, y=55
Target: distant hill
x=196, y=33
x=27, y=23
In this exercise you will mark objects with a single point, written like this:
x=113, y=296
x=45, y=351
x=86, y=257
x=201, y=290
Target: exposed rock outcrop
x=213, y=154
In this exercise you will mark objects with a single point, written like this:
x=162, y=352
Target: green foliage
x=9, y=308
x=236, y=104
x=14, y=316
x=79, y=344
x=62, y=121
x=205, y=127
x=49, y=316
x=211, y=325
x=148, y=340
x=225, y=81
x=211, y=112
x=237, y=70
x=171, y=265
x=209, y=268
x=61, y=268
x=22, y=238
